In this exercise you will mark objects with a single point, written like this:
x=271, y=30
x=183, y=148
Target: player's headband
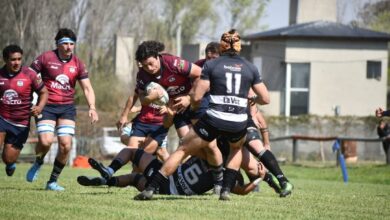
x=65, y=40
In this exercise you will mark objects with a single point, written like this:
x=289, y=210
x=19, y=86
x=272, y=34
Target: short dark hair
x=148, y=49
x=65, y=32
x=13, y=48
x=212, y=47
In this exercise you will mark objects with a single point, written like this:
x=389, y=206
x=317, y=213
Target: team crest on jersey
x=171, y=79
x=181, y=65
x=62, y=82
x=19, y=83
x=11, y=97
x=39, y=79
x=72, y=69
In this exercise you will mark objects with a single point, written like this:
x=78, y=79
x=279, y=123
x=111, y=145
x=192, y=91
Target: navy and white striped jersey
x=230, y=78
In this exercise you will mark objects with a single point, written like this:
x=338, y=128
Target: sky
x=277, y=12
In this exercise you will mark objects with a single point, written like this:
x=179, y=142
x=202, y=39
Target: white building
x=322, y=68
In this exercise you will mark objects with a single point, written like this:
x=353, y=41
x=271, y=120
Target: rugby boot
x=147, y=194
x=217, y=189
x=104, y=171
x=225, y=196
x=32, y=173
x=286, y=189
x=91, y=181
x=273, y=183
x=10, y=169
x=53, y=186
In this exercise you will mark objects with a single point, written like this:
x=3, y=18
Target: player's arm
x=89, y=94
x=126, y=110
x=43, y=95
x=262, y=95
x=182, y=102
x=263, y=127
x=169, y=115
x=247, y=188
x=199, y=89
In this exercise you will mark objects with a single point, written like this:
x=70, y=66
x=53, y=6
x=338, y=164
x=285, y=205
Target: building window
x=374, y=70
x=297, y=89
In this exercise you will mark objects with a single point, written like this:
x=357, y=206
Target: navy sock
x=57, y=169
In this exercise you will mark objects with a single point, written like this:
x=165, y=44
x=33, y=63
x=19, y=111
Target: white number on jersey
x=229, y=83
x=192, y=173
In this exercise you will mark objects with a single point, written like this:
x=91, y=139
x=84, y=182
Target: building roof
x=320, y=29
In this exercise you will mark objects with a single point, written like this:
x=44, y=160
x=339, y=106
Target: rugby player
x=228, y=79
x=177, y=76
x=17, y=84
x=60, y=69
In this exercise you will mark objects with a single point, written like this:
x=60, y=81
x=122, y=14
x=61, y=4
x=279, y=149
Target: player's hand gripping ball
x=163, y=99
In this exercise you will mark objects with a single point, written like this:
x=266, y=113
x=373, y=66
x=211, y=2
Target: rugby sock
x=217, y=172
x=116, y=164
x=112, y=181
x=39, y=159
x=229, y=179
x=268, y=179
x=270, y=162
x=157, y=180
x=136, y=180
x=57, y=169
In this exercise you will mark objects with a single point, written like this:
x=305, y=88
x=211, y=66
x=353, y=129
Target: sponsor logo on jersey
x=174, y=90
x=231, y=100
x=54, y=67
x=236, y=67
x=180, y=179
x=11, y=97
x=62, y=82
x=1, y=83
x=19, y=83
x=204, y=132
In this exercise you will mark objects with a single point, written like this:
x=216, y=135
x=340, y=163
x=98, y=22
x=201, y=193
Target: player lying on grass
x=193, y=177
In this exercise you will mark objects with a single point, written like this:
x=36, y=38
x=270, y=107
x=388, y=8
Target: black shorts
x=209, y=132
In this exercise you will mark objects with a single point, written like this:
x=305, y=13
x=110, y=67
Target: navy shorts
x=15, y=135
x=208, y=132
x=157, y=132
x=53, y=112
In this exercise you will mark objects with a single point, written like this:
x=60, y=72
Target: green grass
x=319, y=194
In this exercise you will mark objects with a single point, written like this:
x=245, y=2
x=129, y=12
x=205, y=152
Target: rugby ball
x=163, y=100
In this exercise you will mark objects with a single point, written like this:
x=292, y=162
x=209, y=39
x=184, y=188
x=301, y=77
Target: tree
x=244, y=15
x=376, y=16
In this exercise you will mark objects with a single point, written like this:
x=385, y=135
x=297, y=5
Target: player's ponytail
x=230, y=42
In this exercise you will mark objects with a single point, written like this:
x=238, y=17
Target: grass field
x=319, y=194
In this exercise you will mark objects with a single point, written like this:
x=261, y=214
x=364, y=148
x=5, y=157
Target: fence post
x=340, y=160
x=295, y=150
